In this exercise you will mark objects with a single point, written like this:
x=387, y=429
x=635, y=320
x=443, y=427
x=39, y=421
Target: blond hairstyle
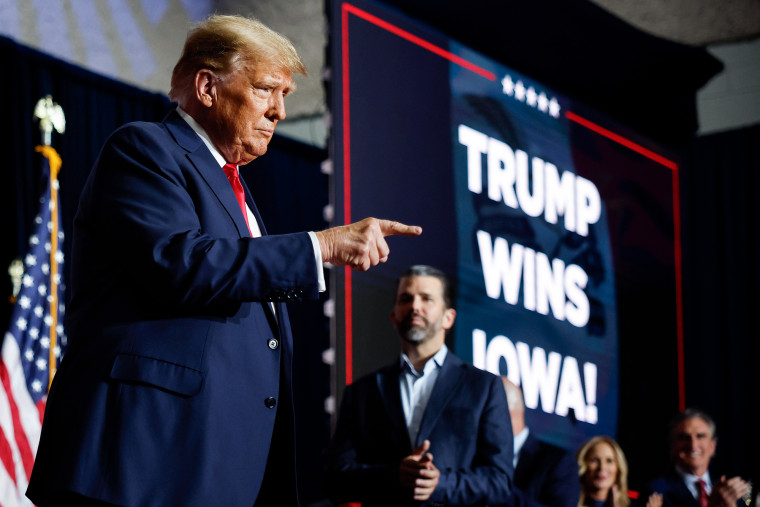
x=220, y=43
x=621, y=481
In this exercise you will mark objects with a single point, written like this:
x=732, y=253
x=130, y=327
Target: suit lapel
x=525, y=462
x=443, y=391
x=682, y=491
x=388, y=385
x=205, y=163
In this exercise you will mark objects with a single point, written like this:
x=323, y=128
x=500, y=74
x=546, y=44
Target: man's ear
x=206, y=84
x=449, y=315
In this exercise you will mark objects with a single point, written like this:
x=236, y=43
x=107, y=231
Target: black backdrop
x=574, y=47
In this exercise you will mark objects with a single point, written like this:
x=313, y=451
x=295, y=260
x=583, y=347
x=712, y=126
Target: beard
x=417, y=334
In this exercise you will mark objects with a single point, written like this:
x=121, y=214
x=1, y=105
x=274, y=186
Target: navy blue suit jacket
x=546, y=475
x=467, y=423
x=674, y=491
x=168, y=392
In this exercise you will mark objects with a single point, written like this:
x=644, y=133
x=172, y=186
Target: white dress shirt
x=691, y=481
x=416, y=387
x=518, y=443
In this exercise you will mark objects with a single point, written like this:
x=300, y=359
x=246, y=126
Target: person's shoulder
x=372, y=377
x=664, y=482
x=139, y=129
x=471, y=370
x=548, y=449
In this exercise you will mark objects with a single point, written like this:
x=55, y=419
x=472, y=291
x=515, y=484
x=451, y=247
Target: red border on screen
x=347, y=9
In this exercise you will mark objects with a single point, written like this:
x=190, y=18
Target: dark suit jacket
x=546, y=475
x=466, y=421
x=674, y=491
x=164, y=395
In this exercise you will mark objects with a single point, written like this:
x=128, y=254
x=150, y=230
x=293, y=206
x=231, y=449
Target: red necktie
x=702, y=493
x=231, y=171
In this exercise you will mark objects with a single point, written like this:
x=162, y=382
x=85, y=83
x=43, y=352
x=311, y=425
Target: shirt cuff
x=318, y=260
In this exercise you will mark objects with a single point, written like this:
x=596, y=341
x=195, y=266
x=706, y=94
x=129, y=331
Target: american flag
x=34, y=339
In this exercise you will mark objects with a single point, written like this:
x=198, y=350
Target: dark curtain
x=720, y=183
x=287, y=183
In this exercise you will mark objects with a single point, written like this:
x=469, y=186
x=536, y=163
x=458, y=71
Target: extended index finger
x=390, y=227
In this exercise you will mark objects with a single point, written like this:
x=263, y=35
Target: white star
x=48, y=246
x=59, y=257
x=34, y=333
x=48, y=320
x=30, y=260
x=57, y=278
x=543, y=102
x=42, y=289
x=60, y=235
x=46, y=269
x=554, y=108
x=507, y=85
x=45, y=343
x=29, y=354
x=520, y=91
x=531, y=97
x=28, y=281
x=51, y=205
x=34, y=240
x=38, y=220
x=38, y=311
x=41, y=364
x=37, y=386
x=57, y=351
x=59, y=329
x=21, y=323
x=24, y=302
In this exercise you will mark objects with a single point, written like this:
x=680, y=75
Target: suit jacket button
x=273, y=343
x=270, y=402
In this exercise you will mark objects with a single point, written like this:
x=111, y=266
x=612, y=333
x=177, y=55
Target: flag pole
x=50, y=116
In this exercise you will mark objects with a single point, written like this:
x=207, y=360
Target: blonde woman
x=603, y=472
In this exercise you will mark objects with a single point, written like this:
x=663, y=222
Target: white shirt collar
x=691, y=480
x=519, y=441
x=436, y=360
x=203, y=135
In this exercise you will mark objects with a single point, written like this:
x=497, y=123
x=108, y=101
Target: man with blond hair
x=176, y=387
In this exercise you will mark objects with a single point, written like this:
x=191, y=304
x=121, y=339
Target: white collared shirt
x=416, y=388
x=691, y=481
x=252, y=222
x=518, y=443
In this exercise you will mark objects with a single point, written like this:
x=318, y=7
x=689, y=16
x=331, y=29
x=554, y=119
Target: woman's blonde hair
x=621, y=481
x=221, y=42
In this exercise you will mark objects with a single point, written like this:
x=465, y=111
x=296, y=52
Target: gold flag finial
x=51, y=117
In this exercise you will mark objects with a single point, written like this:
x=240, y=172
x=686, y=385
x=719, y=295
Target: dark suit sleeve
x=558, y=486
x=489, y=478
x=349, y=479
x=149, y=213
